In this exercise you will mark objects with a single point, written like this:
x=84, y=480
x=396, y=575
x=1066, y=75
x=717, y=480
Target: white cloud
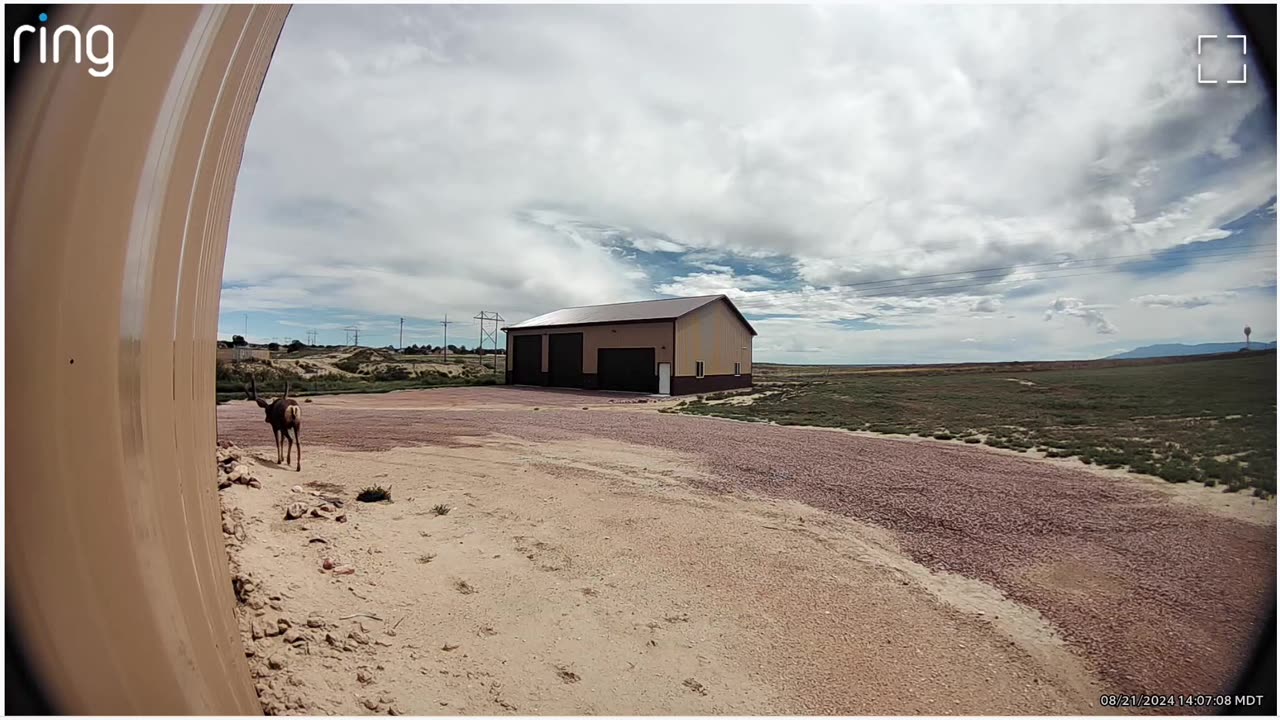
x=1091, y=314
x=1184, y=301
x=1206, y=236
x=648, y=244
x=1226, y=149
x=432, y=159
x=986, y=305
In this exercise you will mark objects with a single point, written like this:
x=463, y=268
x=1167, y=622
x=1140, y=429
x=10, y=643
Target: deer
x=283, y=415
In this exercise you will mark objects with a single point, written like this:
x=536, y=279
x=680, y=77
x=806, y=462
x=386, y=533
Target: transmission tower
x=311, y=337
x=491, y=335
x=353, y=335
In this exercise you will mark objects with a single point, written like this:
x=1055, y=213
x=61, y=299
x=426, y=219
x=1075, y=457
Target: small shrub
x=392, y=373
x=943, y=436
x=1210, y=482
x=348, y=365
x=973, y=440
x=464, y=587
x=441, y=509
x=1176, y=471
x=376, y=493
x=426, y=558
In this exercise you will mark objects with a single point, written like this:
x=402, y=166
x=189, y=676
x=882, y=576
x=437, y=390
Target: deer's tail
x=293, y=414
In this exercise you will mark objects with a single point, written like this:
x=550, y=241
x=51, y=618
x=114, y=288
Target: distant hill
x=1178, y=349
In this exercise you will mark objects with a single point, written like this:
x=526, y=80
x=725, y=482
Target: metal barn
x=678, y=346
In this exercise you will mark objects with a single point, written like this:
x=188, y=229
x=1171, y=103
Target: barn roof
x=668, y=309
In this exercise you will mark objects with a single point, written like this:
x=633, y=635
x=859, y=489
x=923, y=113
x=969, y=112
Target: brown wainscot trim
x=689, y=385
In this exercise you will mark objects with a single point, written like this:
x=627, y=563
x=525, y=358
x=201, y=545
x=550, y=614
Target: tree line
x=296, y=345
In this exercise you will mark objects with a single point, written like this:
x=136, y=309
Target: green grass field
x=1210, y=421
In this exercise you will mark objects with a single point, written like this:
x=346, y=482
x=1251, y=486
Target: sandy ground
x=617, y=562
x=326, y=363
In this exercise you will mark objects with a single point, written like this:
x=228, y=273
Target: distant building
x=670, y=347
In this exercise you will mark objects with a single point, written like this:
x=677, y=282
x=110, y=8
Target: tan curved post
x=119, y=193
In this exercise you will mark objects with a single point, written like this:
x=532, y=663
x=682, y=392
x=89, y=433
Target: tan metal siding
x=118, y=194
x=714, y=335
x=656, y=335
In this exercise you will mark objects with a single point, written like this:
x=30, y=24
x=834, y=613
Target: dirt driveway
x=602, y=558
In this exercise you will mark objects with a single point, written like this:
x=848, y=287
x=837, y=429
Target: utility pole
x=446, y=325
x=401, y=334
x=246, y=327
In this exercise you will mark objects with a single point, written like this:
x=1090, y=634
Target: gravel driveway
x=1161, y=598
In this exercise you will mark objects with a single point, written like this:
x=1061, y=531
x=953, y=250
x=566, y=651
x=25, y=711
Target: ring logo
x=103, y=62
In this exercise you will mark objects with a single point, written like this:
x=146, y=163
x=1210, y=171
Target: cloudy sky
x=869, y=184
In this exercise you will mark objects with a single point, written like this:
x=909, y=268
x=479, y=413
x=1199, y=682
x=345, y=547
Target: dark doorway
x=631, y=369
x=527, y=368
x=564, y=353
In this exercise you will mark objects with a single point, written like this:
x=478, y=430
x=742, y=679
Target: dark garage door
x=627, y=369
x=564, y=354
x=528, y=360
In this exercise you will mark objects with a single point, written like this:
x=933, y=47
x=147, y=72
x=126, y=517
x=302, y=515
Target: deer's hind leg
x=279, y=446
x=288, y=457
x=299, y=442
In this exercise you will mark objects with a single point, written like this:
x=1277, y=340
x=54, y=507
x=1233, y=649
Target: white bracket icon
x=1244, y=50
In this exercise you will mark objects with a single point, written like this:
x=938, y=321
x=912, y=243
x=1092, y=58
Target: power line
x=950, y=289
x=1112, y=265
x=1076, y=264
